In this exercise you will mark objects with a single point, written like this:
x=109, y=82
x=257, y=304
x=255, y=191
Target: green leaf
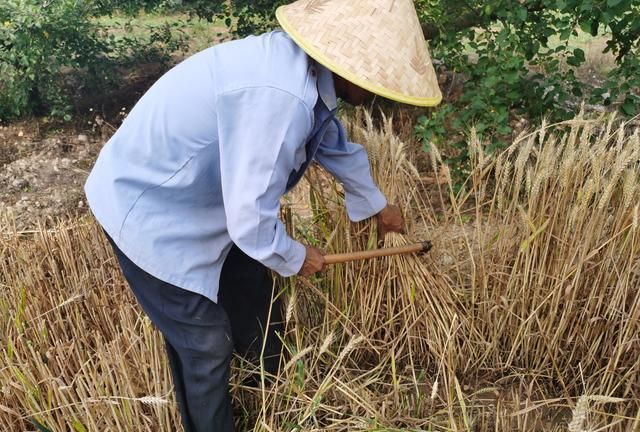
x=629, y=107
x=585, y=26
x=586, y=6
x=10, y=350
x=40, y=426
x=577, y=58
x=579, y=54
x=504, y=130
x=78, y=426
x=300, y=374
x=612, y=3
x=513, y=95
x=565, y=34
x=522, y=14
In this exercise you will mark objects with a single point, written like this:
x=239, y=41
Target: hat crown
x=376, y=44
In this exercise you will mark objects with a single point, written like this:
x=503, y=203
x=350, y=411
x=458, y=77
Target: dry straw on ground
x=525, y=316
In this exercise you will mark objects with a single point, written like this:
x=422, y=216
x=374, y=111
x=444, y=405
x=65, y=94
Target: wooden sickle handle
x=362, y=255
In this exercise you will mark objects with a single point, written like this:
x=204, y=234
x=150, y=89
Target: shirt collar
x=326, y=88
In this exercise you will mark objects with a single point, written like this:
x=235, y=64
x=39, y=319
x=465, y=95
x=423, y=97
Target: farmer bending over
x=188, y=188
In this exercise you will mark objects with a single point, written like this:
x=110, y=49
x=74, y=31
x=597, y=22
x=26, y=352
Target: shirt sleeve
x=349, y=164
x=262, y=132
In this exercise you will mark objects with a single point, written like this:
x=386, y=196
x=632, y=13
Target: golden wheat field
x=525, y=316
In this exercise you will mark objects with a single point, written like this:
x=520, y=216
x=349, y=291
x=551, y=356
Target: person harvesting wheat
x=188, y=188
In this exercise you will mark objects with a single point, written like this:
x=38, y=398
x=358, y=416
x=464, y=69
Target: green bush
x=242, y=17
x=516, y=59
x=51, y=49
x=38, y=40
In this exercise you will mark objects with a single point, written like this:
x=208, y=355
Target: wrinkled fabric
x=204, y=157
x=199, y=344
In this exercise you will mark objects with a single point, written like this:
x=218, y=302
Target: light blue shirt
x=204, y=157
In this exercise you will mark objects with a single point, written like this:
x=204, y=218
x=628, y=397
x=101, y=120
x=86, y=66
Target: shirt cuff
x=360, y=208
x=294, y=260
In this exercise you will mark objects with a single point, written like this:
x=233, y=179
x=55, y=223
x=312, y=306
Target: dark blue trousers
x=200, y=335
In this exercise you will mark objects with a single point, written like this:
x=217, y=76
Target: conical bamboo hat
x=376, y=44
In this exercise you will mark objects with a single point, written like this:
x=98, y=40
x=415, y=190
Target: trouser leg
x=197, y=334
x=245, y=292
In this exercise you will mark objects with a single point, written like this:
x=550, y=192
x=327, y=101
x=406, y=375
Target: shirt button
x=313, y=72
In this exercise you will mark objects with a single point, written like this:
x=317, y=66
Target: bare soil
x=41, y=177
x=43, y=166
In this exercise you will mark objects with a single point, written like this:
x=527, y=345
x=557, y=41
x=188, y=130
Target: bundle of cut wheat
x=524, y=316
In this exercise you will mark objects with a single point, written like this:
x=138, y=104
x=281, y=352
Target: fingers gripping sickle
x=313, y=261
x=390, y=219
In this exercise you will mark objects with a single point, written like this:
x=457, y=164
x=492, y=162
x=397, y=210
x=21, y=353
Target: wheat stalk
x=376, y=332
x=579, y=415
x=328, y=340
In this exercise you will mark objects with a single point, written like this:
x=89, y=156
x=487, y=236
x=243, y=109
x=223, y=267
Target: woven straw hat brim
x=394, y=64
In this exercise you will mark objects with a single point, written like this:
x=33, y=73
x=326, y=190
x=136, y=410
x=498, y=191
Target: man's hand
x=313, y=261
x=390, y=220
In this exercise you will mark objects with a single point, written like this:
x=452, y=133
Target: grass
x=525, y=315
x=199, y=33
